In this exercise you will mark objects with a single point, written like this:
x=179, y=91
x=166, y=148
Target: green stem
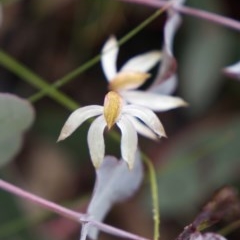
x=230, y=228
x=70, y=76
x=27, y=75
x=67, y=78
x=146, y=22
x=154, y=193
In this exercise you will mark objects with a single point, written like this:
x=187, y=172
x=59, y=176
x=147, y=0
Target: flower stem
x=67, y=78
x=145, y=23
x=230, y=228
x=75, y=216
x=70, y=76
x=154, y=193
x=212, y=17
x=27, y=75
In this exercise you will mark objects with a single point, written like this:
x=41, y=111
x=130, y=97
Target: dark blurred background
x=201, y=154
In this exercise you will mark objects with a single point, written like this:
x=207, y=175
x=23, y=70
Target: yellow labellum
x=128, y=80
x=112, y=108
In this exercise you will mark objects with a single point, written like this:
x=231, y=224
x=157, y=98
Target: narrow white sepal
x=77, y=118
x=129, y=141
x=142, y=129
x=109, y=58
x=147, y=116
x=233, y=70
x=142, y=63
x=166, y=87
x=95, y=140
x=153, y=101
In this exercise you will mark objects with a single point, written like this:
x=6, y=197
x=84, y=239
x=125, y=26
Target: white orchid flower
x=114, y=111
x=132, y=75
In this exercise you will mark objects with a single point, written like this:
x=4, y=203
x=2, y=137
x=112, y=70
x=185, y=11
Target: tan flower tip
x=130, y=165
x=96, y=165
x=128, y=80
x=112, y=108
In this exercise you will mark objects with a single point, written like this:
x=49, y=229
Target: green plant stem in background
x=154, y=189
x=67, y=78
x=154, y=193
x=144, y=24
x=70, y=76
x=32, y=78
x=230, y=228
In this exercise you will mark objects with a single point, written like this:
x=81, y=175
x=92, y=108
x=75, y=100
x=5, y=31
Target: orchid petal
x=95, y=140
x=77, y=118
x=167, y=70
x=129, y=141
x=128, y=80
x=142, y=128
x=166, y=87
x=147, y=116
x=109, y=58
x=142, y=63
x=153, y=101
x=233, y=70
